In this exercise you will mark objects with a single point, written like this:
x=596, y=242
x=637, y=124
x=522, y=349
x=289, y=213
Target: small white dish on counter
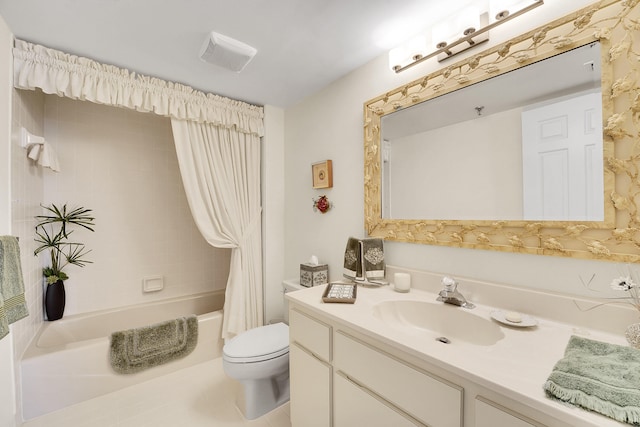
x=504, y=318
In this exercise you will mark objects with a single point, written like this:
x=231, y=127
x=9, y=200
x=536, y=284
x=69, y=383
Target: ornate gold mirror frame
x=616, y=25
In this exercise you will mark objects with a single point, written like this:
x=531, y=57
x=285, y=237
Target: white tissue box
x=314, y=275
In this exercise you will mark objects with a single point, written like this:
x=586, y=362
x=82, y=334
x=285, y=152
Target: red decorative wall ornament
x=322, y=204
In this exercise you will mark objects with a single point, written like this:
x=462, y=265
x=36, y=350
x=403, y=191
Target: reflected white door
x=562, y=160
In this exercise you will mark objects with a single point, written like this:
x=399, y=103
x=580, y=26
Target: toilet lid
x=254, y=345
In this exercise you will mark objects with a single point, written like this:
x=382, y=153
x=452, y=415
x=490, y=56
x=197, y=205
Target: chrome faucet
x=450, y=294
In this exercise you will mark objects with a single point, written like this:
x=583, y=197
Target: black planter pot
x=54, y=300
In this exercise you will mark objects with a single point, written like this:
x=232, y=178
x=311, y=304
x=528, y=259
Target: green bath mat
x=135, y=350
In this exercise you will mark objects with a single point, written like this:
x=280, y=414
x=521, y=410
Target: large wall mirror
x=528, y=147
x=523, y=145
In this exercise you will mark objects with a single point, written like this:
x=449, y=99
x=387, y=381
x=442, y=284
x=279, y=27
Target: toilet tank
x=290, y=285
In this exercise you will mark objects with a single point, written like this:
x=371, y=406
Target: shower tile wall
x=122, y=164
x=27, y=193
x=27, y=184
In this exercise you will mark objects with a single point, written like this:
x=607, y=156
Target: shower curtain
x=220, y=169
x=218, y=145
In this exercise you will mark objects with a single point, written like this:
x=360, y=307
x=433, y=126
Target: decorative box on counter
x=314, y=274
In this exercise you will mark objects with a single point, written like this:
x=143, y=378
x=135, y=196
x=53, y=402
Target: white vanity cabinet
x=310, y=371
x=351, y=366
x=355, y=405
x=343, y=377
x=490, y=414
x=412, y=393
x=339, y=380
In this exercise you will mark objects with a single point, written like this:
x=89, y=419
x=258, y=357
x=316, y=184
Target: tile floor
x=201, y=395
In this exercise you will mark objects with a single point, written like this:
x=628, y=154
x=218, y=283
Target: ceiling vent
x=226, y=52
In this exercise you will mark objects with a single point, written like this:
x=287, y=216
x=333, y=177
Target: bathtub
x=68, y=360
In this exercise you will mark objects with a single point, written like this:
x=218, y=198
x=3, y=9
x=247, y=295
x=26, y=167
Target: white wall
x=325, y=126
x=21, y=186
x=329, y=125
x=27, y=182
x=123, y=165
x=476, y=163
x=273, y=212
x=7, y=382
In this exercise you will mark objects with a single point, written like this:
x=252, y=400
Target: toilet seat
x=258, y=344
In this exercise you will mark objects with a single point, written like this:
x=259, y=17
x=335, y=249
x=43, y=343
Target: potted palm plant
x=53, y=232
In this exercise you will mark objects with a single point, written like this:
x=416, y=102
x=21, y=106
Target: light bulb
x=398, y=58
x=416, y=48
x=442, y=34
x=500, y=9
x=467, y=22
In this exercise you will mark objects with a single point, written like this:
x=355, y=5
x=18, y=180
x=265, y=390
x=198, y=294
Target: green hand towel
x=598, y=376
x=13, y=306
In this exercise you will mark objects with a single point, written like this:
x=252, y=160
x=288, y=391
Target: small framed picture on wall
x=322, y=174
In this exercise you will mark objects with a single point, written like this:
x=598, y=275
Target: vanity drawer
x=429, y=399
x=310, y=333
x=490, y=414
x=311, y=389
x=356, y=406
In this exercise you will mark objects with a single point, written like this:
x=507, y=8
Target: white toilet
x=290, y=285
x=259, y=360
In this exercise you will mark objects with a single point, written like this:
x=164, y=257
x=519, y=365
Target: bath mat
x=598, y=376
x=135, y=350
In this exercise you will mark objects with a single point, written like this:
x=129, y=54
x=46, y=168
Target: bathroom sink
x=453, y=323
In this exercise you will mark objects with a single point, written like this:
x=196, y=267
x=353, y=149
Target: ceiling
x=561, y=75
x=303, y=45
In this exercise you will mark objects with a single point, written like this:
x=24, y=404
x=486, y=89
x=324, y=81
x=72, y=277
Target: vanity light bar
x=468, y=40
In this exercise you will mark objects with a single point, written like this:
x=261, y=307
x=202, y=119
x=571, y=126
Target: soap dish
x=340, y=292
x=526, y=322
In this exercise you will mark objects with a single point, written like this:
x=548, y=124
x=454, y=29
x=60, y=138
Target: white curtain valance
x=75, y=77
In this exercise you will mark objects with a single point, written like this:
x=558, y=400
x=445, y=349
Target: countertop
x=516, y=366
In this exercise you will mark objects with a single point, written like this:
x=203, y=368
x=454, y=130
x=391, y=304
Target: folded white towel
x=44, y=155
